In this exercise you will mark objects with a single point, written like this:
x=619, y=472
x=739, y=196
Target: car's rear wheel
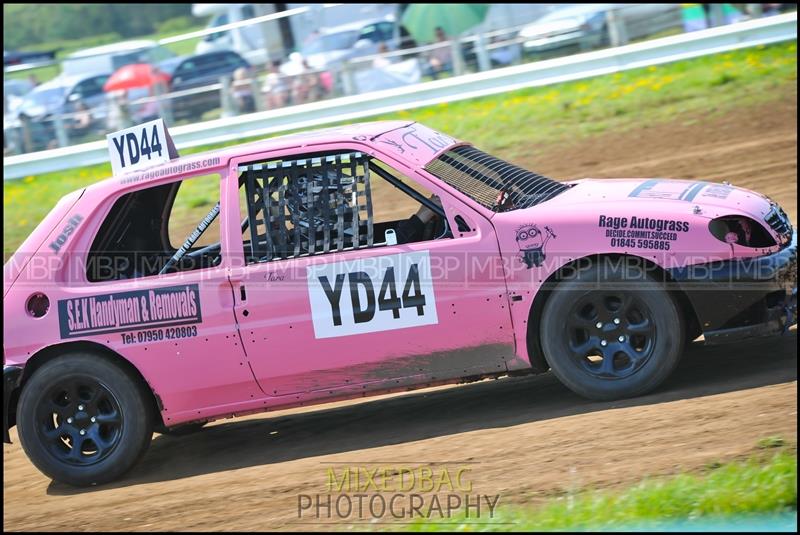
x=611, y=332
x=83, y=420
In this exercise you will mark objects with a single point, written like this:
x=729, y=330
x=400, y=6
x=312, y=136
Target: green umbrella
x=421, y=20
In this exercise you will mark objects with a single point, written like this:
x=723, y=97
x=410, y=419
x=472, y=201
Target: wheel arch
x=41, y=357
x=539, y=362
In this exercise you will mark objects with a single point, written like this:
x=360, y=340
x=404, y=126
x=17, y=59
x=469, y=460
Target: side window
x=234, y=61
x=370, y=32
x=219, y=20
x=95, y=86
x=385, y=30
x=184, y=68
x=331, y=202
x=404, y=208
x=161, y=229
x=194, y=200
x=211, y=63
x=86, y=88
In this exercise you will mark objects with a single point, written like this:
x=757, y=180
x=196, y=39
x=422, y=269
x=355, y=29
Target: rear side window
x=234, y=61
x=185, y=68
x=492, y=182
x=161, y=229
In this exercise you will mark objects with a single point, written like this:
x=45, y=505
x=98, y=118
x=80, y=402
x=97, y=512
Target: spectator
x=143, y=111
x=81, y=120
x=381, y=62
x=306, y=86
x=276, y=87
x=118, y=112
x=326, y=82
x=243, y=91
x=441, y=58
x=505, y=55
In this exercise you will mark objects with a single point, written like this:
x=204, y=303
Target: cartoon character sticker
x=531, y=242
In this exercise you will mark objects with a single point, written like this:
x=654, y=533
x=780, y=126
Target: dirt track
x=524, y=438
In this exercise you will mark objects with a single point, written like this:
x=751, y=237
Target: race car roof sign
x=140, y=146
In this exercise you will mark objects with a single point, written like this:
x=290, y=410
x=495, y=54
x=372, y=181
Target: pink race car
x=305, y=278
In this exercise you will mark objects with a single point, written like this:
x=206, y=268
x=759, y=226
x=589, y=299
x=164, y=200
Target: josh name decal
x=61, y=239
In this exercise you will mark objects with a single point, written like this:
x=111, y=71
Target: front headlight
x=741, y=230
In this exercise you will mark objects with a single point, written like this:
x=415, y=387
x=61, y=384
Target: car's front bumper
x=743, y=298
x=12, y=375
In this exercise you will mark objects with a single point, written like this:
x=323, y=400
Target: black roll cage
x=245, y=178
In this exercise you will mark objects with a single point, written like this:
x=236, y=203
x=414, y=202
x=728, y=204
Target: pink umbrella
x=135, y=75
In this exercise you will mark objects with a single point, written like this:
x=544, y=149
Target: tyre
x=83, y=420
x=611, y=332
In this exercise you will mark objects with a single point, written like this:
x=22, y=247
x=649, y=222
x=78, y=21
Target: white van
x=109, y=58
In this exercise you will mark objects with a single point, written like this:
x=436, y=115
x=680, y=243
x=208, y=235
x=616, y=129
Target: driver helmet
x=308, y=198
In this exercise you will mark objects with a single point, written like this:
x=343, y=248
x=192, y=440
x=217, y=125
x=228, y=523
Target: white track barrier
x=658, y=51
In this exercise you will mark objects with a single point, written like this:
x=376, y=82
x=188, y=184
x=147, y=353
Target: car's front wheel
x=83, y=420
x=611, y=332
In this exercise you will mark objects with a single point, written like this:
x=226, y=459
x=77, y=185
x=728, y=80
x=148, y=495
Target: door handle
x=238, y=289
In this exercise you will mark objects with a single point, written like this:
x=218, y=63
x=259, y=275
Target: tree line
x=31, y=25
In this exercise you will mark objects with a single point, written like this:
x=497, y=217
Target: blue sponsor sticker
x=125, y=311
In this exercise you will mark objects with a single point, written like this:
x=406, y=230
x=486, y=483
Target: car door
x=377, y=316
x=176, y=326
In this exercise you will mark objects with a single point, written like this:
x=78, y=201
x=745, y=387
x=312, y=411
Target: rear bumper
x=12, y=375
x=743, y=298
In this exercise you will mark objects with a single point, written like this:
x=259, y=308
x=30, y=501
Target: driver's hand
x=424, y=213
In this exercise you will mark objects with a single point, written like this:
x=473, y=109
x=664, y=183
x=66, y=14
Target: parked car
x=298, y=286
x=277, y=38
x=196, y=71
x=14, y=90
x=584, y=26
x=330, y=47
x=15, y=57
x=62, y=96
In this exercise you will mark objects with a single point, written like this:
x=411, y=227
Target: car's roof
x=170, y=65
x=325, y=135
x=563, y=12
x=17, y=83
x=127, y=46
x=68, y=80
x=358, y=25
